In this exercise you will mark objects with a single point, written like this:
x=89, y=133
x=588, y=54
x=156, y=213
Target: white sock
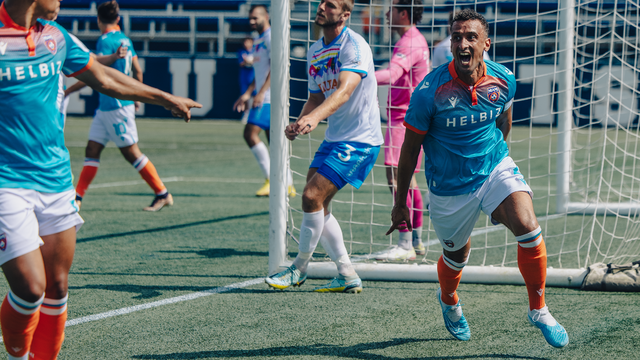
x=24, y=357
x=261, y=153
x=405, y=239
x=310, y=231
x=333, y=243
x=543, y=315
x=417, y=236
x=455, y=313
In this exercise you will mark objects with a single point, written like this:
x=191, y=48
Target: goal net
x=575, y=137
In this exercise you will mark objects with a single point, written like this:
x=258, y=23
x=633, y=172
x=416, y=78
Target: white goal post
x=589, y=187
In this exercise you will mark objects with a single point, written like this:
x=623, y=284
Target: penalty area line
x=173, y=300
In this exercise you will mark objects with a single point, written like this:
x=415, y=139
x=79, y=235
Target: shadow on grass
x=145, y=291
x=216, y=253
x=179, y=195
x=161, y=275
x=354, y=352
x=172, y=227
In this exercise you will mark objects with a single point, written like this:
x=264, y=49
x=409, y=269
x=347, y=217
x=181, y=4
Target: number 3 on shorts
x=348, y=153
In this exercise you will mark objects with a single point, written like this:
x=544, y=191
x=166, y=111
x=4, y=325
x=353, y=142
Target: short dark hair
x=108, y=12
x=347, y=5
x=468, y=14
x=264, y=7
x=412, y=7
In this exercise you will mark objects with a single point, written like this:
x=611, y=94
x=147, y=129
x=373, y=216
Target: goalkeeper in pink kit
x=408, y=66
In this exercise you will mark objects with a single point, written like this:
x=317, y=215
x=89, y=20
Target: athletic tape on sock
x=92, y=162
x=456, y=266
x=140, y=162
x=530, y=240
x=54, y=307
x=22, y=306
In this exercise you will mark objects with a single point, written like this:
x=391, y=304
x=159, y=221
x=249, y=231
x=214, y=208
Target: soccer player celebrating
x=409, y=65
x=343, y=90
x=461, y=115
x=115, y=119
x=38, y=214
x=260, y=114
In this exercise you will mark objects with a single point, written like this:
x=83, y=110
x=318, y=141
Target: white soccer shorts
x=26, y=215
x=453, y=217
x=117, y=125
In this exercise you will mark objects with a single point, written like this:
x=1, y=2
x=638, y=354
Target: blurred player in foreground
x=115, y=119
x=38, y=213
x=461, y=115
x=245, y=61
x=409, y=65
x=260, y=114
x=343, y=89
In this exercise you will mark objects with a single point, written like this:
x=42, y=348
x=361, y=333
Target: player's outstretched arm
x=241, y=104
x=315, y=99
x=112, y=82
x=400, y=215
x=73, y=88
x=107, y=60
x=259, y=98
x=347, y=83
x=503, y=122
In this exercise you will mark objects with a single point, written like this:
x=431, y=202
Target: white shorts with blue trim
x=26, y=215
x=453, y=217
x=117, y=125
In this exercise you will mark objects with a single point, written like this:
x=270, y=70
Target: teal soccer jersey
x=108, y=44
x=462, y=143
x=32, y=61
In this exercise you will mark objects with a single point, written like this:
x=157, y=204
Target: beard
x=326, y=24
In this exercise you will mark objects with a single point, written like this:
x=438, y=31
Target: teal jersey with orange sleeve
x=462, y=143
x=108, y=44
x=32, y=150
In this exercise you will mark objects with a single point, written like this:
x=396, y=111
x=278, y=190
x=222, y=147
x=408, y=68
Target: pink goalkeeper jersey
x=409, y=65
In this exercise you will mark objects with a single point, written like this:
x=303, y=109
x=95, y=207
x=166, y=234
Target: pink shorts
x=393, y=139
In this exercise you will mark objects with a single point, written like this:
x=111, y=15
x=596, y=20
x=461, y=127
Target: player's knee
x=250, y=138
x=311, y=200
x=58, y=287
x=525, y=226
x=32, y=291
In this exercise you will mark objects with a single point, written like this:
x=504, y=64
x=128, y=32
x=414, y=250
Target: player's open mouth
x=465, y=57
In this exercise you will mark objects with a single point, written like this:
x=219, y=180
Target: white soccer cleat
x=395, y=253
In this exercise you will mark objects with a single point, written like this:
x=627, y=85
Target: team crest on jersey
x=493, y=94
x=51, y=44
x=3, y=242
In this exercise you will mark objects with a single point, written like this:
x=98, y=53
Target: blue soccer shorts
x=260, y=116
x=345, y=162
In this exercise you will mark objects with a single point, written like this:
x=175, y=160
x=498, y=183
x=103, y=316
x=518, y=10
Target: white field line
x=173, y=300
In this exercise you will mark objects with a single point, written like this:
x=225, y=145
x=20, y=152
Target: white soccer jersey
x=358, y=119
x=262, y=62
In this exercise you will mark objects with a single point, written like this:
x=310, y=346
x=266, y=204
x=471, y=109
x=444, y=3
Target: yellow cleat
x=292, y=191
x=264, y=190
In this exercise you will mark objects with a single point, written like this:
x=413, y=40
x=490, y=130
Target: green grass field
x=185, y=283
